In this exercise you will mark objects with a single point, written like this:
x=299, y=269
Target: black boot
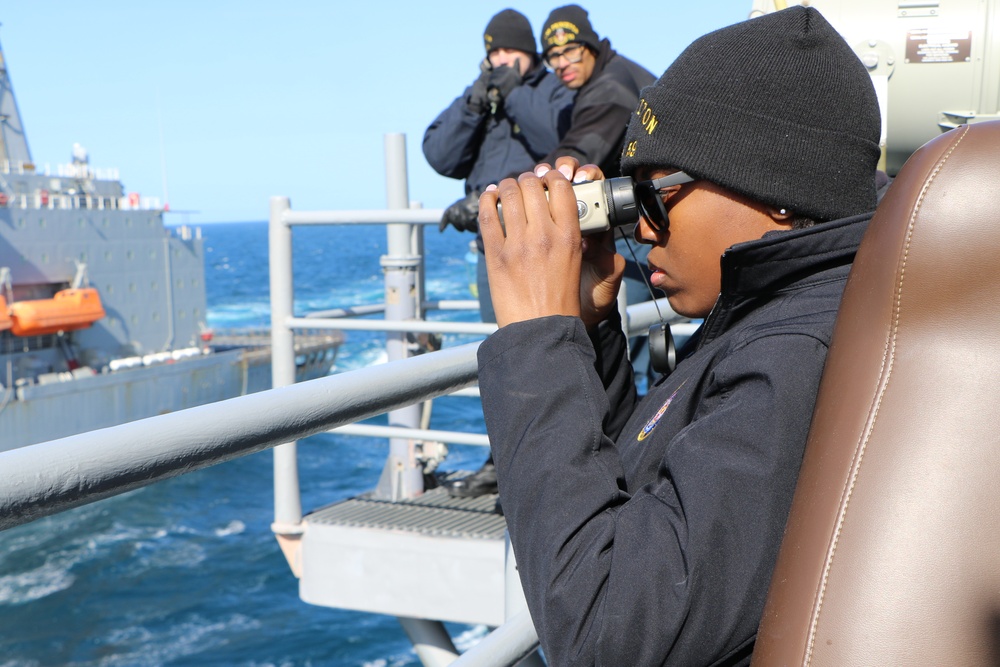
x=480, y=483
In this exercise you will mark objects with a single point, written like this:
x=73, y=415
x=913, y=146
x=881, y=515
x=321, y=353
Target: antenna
x=13, y=143
x=163, y=155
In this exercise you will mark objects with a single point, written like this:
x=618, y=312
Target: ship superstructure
x=72, y=235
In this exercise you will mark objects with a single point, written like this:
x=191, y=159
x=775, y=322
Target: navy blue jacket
x=486, y=148
x=645, y=533
x=602, y=110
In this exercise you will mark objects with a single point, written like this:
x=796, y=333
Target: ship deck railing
x=65, y=170
x=420, y=556
x=64, y=202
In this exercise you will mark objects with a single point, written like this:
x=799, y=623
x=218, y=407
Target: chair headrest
x=892, y=550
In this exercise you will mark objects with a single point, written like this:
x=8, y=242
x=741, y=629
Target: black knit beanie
x=777, y=108
x=509, y=29
x=568, y=24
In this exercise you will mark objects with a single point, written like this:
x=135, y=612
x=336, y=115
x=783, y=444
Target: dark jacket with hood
x=602, y=110
x=645, y=534
x=486, y=148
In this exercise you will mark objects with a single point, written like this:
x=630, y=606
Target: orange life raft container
x=5, y=321
x=68, y=309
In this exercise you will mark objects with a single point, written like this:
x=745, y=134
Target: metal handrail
x=51, y=477
x=409, y=326
x=507, y=645
x=452, y=437
x=640, y=317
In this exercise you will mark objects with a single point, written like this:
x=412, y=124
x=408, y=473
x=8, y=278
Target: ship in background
x=103, y=308
x=355, y=554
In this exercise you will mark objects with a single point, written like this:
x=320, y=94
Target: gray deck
x=433, y=557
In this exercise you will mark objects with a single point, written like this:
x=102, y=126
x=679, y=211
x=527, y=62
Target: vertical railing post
x=430, y=640
x=287, y=499
x=417, y=248
x=402, y=477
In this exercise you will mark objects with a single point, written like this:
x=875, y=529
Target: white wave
x=39, y=535
x=244, y=313
x=234, y=527
x=350, y=359
x=176, y=554
x=392, y=661
x=52, y=577
x=55, y=574
x=177, y=641
x=181, y=529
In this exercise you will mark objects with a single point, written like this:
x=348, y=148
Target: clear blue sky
x=254, y=98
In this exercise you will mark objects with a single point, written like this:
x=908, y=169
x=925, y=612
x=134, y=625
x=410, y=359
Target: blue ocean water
x=186, y=571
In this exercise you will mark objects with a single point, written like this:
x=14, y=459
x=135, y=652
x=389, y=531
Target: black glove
x=478, y=102
x=503, y=79
x=463, y=215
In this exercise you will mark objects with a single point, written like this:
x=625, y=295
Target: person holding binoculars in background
x=506, y=121
x=494, y=130
x=646, y=531
x=607, y=86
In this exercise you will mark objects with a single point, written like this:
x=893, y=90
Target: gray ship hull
x=146, y=350
x=71, y=403
x=42, y=412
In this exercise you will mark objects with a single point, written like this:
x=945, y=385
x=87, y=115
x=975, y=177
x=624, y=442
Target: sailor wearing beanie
x=786, y=119
x=607, y=85
x=511, y=116
x=509, y=29
x=568, y=24
x=646, y=531
x=506, y=121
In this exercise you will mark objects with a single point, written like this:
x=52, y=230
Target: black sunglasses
x=647, y=194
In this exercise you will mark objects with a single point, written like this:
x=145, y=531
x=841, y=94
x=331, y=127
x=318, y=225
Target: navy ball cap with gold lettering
x=778, y=108
x=509, y=29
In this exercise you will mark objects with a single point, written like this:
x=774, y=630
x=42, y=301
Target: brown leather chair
x=892, y=551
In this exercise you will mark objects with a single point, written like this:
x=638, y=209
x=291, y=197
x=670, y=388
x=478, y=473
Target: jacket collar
x=536, y=73
x=604, y=54
x=756, y=270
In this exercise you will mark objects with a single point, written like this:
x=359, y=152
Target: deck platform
x=433, y=557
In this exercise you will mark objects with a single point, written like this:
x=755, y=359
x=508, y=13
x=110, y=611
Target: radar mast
x=13, y=142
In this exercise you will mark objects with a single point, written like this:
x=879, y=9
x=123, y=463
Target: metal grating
x=434, y=513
